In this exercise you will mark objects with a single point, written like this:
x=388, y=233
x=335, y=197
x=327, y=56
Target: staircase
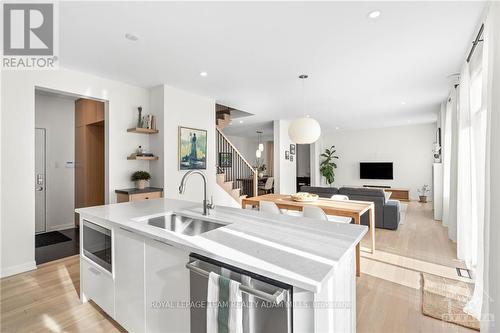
x=234, y=174
x=222, y=116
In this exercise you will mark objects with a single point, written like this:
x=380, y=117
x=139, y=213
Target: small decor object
x=261, y=170
x=422, y=192
x=287, y=155
x=225, y=160
x=139, y=119
x=327, y=166
x=292, y=149
x=192, y=148
x=304, y=197
x=140, y=178
x=436, y=152
x=291, y=158
x=140, y=151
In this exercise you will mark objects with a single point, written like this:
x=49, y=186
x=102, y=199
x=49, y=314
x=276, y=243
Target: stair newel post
x=255, y=183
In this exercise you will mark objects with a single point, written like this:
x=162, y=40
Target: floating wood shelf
x=142, y=130
x=143, y=158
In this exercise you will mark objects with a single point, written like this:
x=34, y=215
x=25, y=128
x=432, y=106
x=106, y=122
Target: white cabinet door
x=129, y=280
x=167, y=288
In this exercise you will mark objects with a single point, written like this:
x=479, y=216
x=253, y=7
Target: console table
x=401, y=194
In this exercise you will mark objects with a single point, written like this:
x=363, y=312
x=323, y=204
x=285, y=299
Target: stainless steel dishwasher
x=267, y=304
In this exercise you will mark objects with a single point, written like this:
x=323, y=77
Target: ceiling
x=363, y=72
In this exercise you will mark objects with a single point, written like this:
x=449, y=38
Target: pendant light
x=304, y=130
x=260, y=147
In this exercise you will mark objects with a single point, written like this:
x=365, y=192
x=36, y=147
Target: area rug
x=444, y=299
x=49, y=238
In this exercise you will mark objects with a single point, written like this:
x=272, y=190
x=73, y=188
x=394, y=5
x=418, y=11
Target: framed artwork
x=225, y=160
x=287, y=155
x=292, y=149
x=291, y=158
x=192, y=148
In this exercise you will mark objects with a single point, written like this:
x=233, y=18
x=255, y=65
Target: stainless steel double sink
x=183, y=224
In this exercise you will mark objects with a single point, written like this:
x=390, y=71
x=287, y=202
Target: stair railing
x=235, y=167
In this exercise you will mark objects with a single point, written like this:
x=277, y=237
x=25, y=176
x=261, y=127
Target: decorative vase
x=423, y=198
x=261, y=174
x=139, y=120
x=140, y=184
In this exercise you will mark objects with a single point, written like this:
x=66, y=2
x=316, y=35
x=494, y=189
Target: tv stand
x=401, y=194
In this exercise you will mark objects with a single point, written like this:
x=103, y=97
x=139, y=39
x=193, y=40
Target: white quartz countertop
x=298, y=251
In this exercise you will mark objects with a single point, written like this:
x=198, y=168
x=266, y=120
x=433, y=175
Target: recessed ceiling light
x=308, y=116
x=203, y=74
x=131, y=37
x=374, y=14
x=337, y=128
x=403, y=103
x=241, y=121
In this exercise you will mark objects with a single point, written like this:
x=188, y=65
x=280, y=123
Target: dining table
x=347, y=208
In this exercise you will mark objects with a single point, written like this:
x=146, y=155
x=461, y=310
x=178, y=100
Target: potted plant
x=261, y=169
x=327, y=166
x=140, y=178
x=422, y=192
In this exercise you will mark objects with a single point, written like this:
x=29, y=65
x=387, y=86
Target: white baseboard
x=13, y=270
x=61, y=227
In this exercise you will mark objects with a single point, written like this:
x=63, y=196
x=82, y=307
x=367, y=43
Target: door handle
x=39, y=188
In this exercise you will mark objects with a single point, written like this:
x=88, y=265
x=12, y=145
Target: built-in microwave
x=97, y=244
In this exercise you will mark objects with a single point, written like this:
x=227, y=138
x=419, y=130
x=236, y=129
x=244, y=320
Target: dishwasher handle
x=275, y=298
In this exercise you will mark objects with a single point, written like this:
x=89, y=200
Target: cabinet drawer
x=98, y=286
x=145, y=196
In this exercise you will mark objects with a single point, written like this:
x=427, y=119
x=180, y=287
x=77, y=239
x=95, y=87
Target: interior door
x=40, y=173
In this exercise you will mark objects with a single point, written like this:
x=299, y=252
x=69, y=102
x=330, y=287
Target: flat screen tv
x=375, y=170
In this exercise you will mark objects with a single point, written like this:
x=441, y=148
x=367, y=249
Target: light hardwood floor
x=388, y=291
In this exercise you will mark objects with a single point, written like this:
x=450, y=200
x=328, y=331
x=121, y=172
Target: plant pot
x=423, y=198
x=140, y=184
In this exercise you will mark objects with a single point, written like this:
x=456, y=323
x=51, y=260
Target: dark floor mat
x=50, y=238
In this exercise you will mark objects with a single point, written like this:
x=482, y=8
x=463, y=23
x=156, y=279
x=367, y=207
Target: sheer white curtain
x=464, y=183
x=450, y=129
x=485, y=107
x=491, y=230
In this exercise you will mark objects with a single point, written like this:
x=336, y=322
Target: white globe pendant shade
x=258, y=153
x=261, y=146
x=304, y=130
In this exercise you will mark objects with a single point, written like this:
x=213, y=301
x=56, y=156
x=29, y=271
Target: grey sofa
x=387, y=212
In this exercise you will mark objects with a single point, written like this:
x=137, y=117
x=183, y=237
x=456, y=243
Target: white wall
x=18, y=155
x=285, y=172
x=57, y=116
x=156, y=141
x=182, y=108
x=247, y=148
x=408, y=147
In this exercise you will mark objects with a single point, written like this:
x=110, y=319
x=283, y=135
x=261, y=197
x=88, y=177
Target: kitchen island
x=141, y=263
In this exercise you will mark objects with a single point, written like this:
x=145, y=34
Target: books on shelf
x=149, y=121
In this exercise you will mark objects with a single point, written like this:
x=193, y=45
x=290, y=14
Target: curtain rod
x=475, y=42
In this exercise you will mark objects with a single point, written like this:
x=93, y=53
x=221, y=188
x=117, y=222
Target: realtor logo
x=29, y=36
x=28, y=29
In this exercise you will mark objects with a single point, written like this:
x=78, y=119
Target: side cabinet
x=167, y=288
x=129, y=280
